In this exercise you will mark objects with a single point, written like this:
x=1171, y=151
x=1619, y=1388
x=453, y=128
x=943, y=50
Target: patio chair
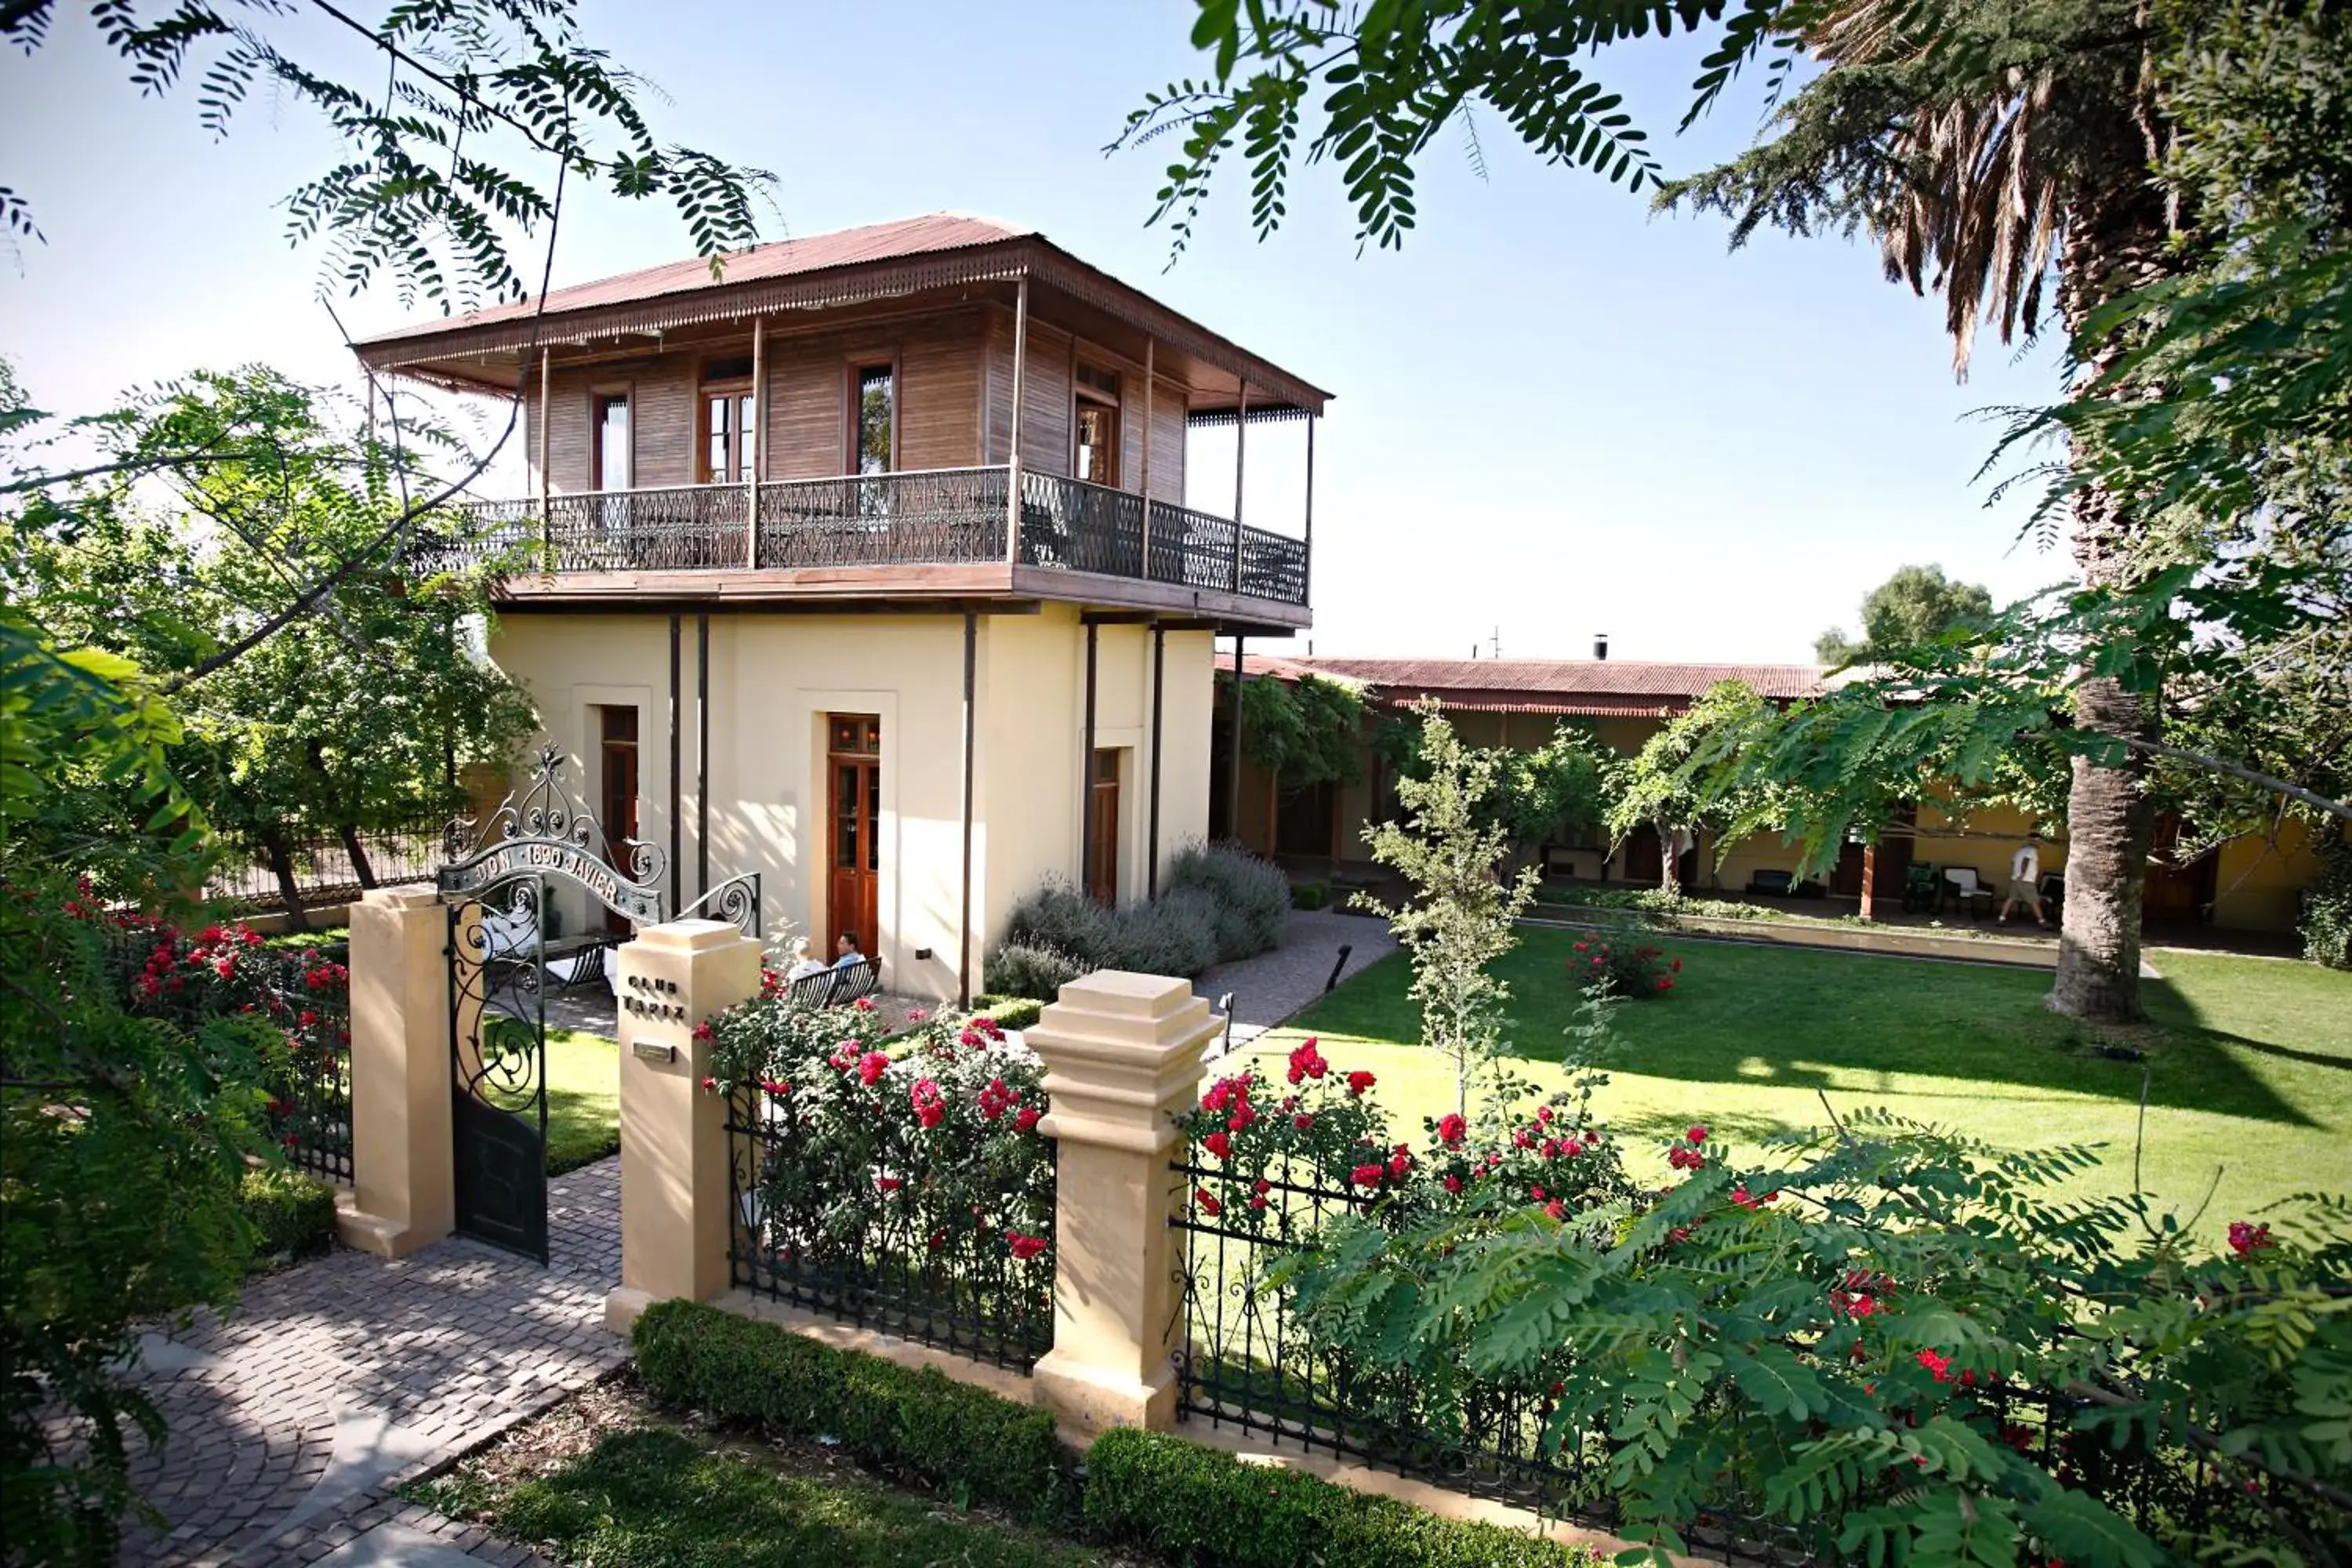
x=1919, y=881
x=1775, y=884
x=1961, y=885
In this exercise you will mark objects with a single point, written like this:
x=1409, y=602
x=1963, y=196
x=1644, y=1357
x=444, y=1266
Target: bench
x=838, y=987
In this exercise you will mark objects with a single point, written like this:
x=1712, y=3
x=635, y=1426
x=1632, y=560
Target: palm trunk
x=2110, y=820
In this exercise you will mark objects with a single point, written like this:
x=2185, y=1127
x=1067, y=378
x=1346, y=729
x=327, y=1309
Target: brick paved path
x=338, y=1378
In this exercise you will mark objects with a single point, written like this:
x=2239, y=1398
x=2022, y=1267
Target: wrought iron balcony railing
x=930, y=517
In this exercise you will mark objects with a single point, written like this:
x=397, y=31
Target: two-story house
x=864, y=564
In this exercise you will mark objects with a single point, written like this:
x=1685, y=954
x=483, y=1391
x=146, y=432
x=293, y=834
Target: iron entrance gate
x=503, y=953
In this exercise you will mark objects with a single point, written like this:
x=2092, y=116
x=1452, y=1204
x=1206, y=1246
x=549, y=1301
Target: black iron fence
x=1245, y=1362
x=325, y=871
x=893, y=1258
x=922, y=517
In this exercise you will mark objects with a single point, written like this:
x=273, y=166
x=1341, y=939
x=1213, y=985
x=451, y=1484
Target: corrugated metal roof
x=892, y=241
x=1559, y=686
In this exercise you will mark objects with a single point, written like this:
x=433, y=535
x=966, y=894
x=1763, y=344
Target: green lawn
x=584, y=1099
x=654, y=1498
x=2251, y=1059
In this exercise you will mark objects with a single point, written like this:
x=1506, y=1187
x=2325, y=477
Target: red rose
x=1358, y=1081
x=870, y=1067
x=1025, y=1247
x=1218, y=1144
x=1938, y=1366
x=1207, y=1202
x=1302, y=1121
x=1554, y=1209
x=1696, y=1135
x=888, y=1183
x=1452, y=1183
x=1241, y=1118
x=1365, y=1175
x=1027, y=1119
x=1261, y=1187
x=1676, y=966
x=1399, y=1164
x=1450, y=1128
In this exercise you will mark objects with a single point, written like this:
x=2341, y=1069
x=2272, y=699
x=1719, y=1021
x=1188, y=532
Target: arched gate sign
x=504, y=954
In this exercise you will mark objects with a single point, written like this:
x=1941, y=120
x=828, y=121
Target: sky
x=1555, y=415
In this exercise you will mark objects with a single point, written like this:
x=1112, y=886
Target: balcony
x=784, y=531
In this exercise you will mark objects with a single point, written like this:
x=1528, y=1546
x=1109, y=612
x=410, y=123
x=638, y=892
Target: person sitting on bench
x=846, y=955
x=803, y=964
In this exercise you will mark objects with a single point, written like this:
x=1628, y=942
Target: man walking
x=2025, y=881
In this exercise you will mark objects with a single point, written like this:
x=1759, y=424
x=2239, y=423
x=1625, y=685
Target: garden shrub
x=1621, y=969
x=1198, y=1505
x=1010, y=1012
x=1027, y=972
x=1310, y=896
x=1250, y=896
x=292, y=1213
x=1179, y=935
x=914, y=1423
x=2327, y=923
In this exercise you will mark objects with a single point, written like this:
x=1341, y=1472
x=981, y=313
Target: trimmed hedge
x=1150, y=1489
x=1200, y=1505
x=293, y=1213
x=1013, y=1012
x=919, y=1424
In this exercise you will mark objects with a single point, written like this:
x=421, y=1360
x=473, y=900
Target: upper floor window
x=730, y=415
x=608, y=454
x=875, y=450
x=1093, y=425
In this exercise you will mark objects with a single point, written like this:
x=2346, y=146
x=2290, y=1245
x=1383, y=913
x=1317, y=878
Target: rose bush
x=1637, y=974
x=920, y=1152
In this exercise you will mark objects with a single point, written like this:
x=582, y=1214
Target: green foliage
x=917, y=1425
x=1010, y=1012
x=1557, y=791
x=1197, y=1505
x=2327, y=923
x=1894, y=1341
x=1248, y=897
x=1916, y=604
x=1628, y=970
x=122, y=1137
x=1303, y=732
x=1656, y=788
x=1217, y=903
x=435, y=114
x=1032, y=973
x=292, y=1213
x=1310, y=896
x=1460, y=917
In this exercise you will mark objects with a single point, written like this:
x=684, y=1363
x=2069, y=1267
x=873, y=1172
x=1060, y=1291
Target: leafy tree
x=357, y=718
x=1659, y=788
x=1915, y=605
x=1459, y=920
x=122, y=1138
x=1303, y=733
x=1557, y=790
x=1981, y=145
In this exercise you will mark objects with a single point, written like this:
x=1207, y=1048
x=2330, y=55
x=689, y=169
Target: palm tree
x=1987, y=145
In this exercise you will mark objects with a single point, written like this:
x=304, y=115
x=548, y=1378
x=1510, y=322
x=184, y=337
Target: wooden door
x=1102, y=828
x=1644, y=858
x=854, y=828
x=2173, y=892
x=616, y=745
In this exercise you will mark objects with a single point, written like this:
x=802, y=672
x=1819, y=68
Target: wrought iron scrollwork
x=735, y=901
x=541, y=828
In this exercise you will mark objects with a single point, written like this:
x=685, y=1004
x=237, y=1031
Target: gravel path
x=1270, y=989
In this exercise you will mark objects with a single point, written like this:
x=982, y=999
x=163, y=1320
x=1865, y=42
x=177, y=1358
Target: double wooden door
x=854, y=827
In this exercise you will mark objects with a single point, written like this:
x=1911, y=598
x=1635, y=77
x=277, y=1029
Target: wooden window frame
x=852, y=367
x=598, y=395
x=704, y=391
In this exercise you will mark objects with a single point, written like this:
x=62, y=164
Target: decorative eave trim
x=997, y=262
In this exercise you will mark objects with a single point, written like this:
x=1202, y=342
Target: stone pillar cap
x=400, y=897
x=692, y=936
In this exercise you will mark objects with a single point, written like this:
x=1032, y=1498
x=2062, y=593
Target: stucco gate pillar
x=1122, y=1055
x=403, y=1195
x=673, y=1154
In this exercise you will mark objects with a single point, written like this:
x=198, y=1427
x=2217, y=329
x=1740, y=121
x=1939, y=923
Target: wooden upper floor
x=941, y=407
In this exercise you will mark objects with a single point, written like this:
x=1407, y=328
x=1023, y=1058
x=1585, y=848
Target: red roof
x=781, y=258
x=1596, y=687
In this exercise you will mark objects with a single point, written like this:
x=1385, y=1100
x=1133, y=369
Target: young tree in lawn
x=1982, y=145
x=1557, y=790
x=1915, y=605
x=1459, y=919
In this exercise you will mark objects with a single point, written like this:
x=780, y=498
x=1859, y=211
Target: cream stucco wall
x=775, y=678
